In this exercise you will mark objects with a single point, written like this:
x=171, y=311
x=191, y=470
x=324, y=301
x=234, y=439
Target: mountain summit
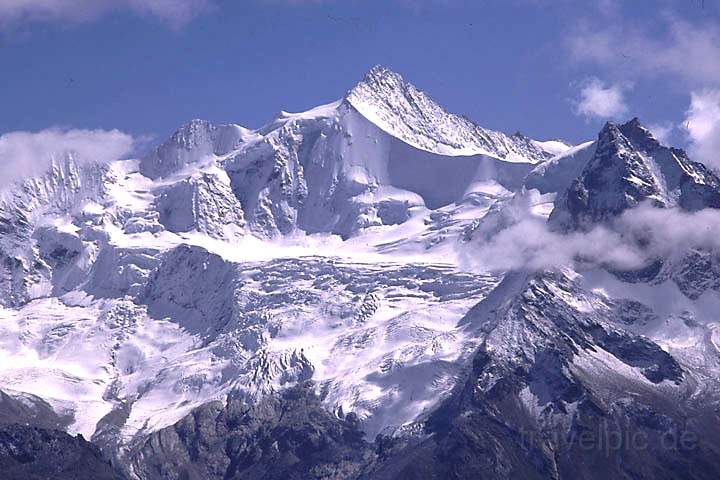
x=629, y=167
x=402, y=110
x=360, y=162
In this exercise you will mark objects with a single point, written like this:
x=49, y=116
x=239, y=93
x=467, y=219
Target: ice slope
x=556, y=174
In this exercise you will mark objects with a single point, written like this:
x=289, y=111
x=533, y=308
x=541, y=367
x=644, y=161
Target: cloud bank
x=24, y=154
x=600, y=101
x=175, y=13
x=637, y=237
x=682, y=49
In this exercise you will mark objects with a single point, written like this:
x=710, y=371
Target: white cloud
x=24, y=154
x=682, y=49
x=600, y=101
x=530, y=244
x=662, y=131
x=174, y=12
x=516, y=238
x=702, y=124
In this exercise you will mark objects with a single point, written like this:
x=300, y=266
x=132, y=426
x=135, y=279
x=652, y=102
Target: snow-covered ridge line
x=384, y=99
x=364, y=161
x=407, y=113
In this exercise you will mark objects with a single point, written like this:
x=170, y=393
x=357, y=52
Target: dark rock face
x=630, y=166
x=30, y=453
x=30, y=410
x=617, y=178
x=697, y=272
x=34, y=447
x=286, y=437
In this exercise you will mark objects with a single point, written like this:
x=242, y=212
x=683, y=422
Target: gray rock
x=290, y=436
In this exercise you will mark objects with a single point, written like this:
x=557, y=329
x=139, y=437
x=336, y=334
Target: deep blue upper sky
x=508, y=65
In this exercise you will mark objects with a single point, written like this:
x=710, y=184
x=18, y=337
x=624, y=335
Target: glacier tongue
x=204, y=326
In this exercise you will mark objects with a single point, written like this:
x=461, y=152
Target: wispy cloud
x=24, y=154
x=525, y=241
x=662, y=131
x=597, y=100
x=175, y=13
x=702, y=124
x=688, y=51
x=515, y=237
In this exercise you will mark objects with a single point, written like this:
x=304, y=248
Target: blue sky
x=546, y=68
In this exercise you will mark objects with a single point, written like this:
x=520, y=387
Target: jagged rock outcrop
x=33, y=445
x=23, y=272
x=31, y=453
x=289, y=436
x=630, y=166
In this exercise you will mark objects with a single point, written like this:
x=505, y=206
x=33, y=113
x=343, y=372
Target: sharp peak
x=380, y=78
x=609, y=130
x=381, y=71
x=630, y=125
x=635, y=122
x=383, y=85
x=633, y=131
x=195, y=124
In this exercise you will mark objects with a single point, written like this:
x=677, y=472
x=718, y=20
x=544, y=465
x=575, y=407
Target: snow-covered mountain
x=303, y=301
